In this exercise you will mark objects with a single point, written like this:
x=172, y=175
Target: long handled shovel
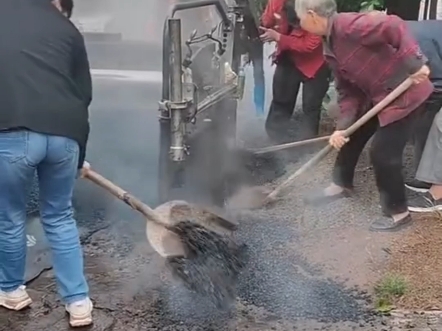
x=257, y=197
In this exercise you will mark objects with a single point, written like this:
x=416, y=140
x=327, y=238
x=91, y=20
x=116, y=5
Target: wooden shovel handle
x=280, y=147
x=124, y=196
x=397, y=92
x=405, y=85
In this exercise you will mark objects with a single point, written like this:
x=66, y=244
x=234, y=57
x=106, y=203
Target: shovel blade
x=167, y=243
x=210, y=217
x=163, y=241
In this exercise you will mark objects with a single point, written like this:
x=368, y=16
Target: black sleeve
x=81, y=70
x=81, y=156
x=82, y=78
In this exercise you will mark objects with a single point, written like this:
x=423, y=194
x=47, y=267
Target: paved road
x=124, y=141
x=123, y=144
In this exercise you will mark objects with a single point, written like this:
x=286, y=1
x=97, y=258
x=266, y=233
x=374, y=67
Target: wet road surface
x=280, y=291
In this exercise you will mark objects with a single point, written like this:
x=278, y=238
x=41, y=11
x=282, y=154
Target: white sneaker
x=80, y=313
x=15, y=300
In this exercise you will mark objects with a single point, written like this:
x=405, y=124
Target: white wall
x=439, y=9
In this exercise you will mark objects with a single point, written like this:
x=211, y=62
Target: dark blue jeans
x=55, y=159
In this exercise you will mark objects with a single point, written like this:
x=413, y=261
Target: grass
x=388, y=290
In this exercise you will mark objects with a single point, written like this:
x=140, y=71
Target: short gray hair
x=324, y=8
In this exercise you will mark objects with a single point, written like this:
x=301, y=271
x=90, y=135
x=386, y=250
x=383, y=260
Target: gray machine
x=203, y=78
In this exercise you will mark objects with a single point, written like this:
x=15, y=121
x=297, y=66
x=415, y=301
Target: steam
x=140, y=20
x=134, y=19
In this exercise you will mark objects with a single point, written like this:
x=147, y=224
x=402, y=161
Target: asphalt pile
x=212, y=263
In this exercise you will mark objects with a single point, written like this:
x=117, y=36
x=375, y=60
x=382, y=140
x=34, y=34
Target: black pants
x=286, y=82
x=423, y=125
x=386, y=156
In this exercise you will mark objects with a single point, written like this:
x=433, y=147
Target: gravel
x=212, y=264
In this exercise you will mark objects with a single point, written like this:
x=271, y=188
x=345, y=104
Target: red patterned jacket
x=370, y=55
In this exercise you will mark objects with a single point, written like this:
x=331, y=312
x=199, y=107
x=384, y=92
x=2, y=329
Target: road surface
x=131, y=290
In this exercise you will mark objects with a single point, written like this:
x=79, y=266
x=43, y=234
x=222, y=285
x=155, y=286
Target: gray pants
x=430, y=166
x=422, y=128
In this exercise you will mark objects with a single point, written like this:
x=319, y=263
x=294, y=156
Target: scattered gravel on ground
x=417, y=257
x=283, y=289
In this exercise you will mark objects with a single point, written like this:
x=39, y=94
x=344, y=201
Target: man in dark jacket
x=428, y=33
x=45, y=92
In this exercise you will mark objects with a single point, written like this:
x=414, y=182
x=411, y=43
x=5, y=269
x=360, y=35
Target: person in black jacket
x=45, y=92
x=428, y=33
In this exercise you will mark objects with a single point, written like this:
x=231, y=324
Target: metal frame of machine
x=180, y=110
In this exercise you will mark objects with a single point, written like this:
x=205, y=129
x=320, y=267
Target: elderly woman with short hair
x=370, y=54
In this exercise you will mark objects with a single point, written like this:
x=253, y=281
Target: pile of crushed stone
x=212, y=264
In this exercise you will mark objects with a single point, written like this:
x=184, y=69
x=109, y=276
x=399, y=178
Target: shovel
x=257, y=197
x=160, y=222
x=207, y=261
x=295, y=144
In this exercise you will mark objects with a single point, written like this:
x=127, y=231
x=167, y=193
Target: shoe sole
x=81, y=322
x=416, y=189
x=425, y=209
x=22, y=304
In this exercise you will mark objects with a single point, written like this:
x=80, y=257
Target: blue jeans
x=55, y=159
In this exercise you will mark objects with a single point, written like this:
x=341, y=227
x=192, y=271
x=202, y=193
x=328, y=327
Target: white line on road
x=128, y=75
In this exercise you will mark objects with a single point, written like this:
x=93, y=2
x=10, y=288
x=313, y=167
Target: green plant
x=371, y=5
x=358, y=5
x=389, y=289
x=260, y=5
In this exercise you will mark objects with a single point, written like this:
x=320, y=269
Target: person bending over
x=355, y=44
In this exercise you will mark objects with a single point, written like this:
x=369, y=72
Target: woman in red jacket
x=299, y=59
